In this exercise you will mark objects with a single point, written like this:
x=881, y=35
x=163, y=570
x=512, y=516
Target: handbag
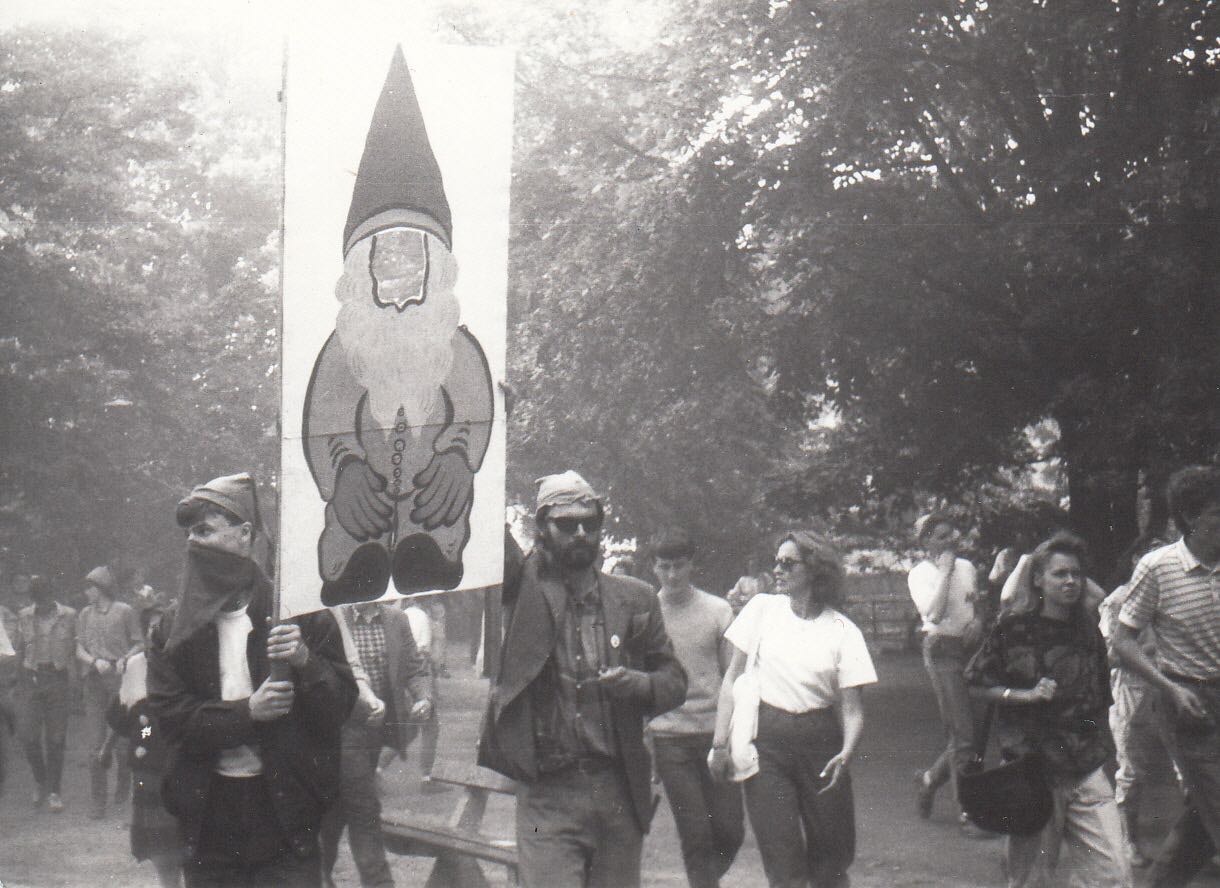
x=1013, y=797
x=743, y=725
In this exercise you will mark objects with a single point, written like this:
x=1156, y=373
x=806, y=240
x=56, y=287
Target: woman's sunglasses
x=590, y=524
x=787, y=564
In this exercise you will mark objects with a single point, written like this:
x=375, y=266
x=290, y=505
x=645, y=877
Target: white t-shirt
x=802, y=664
x=924, y=579
x=233, y=628
x=421, y=627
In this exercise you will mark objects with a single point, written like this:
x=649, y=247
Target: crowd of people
x=247, y=747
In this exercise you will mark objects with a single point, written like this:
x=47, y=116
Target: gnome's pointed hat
x=399, y=181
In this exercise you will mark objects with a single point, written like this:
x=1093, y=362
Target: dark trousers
x=1196, y=836
x=358, y=808
x=708, y=814
x=241, y=843
x=577, y=829
x=43, y=698
x=805, y=837
x=287, y=871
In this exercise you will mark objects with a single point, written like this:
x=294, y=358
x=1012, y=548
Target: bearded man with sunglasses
x=586, y=662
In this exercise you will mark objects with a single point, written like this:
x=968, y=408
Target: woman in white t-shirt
x=811, y=665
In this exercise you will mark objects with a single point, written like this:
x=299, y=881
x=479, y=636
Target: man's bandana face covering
x=223, y=572
x=213, y=576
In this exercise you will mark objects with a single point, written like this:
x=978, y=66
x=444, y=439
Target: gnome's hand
x=446, y=487
x=359, y=502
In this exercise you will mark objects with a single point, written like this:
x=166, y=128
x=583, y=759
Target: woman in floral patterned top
x=1045, y=664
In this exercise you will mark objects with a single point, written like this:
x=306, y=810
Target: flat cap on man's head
x=235, y=494
x=101, y=577
x=562, y=490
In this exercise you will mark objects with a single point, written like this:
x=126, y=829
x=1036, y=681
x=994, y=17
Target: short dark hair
x=192, y=511
x=39, y=585
x=541, y=515
x=824, y=562
x=926, y=524
x=672, y=542
x=1190, y=491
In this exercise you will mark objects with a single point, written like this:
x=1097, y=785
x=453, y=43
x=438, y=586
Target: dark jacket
x=407, y=670
x=537, y=601
x=300, y=751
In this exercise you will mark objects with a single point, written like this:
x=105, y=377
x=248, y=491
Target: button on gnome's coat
x=399, y=409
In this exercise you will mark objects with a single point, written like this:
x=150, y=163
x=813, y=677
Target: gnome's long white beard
x=401, y=358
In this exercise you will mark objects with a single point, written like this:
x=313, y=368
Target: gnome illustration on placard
x=399, y=408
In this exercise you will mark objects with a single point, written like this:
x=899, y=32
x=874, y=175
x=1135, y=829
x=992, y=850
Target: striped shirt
x=1178, y=596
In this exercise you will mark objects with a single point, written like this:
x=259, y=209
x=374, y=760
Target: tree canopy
x=771, y=261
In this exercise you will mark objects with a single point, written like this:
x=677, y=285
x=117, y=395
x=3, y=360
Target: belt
x=583, y=764
x=47, y=667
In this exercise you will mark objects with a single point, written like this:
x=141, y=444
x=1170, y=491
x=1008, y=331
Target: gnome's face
x=397, y=320
x=398, y=266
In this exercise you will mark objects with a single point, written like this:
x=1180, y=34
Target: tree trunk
x=1103, y=493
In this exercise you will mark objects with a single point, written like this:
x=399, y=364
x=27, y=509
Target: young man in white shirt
x=944, y=588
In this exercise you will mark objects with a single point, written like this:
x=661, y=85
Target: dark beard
x=575, y=555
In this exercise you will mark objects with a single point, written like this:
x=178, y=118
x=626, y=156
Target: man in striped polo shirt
x=1176, y=590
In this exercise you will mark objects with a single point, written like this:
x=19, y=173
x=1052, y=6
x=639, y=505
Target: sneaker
x=38, y=797
x=971, y=831
x=54, y=803
x=925, y=795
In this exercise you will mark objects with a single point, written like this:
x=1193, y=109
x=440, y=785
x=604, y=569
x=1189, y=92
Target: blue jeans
x=944, y=659
x=806, y=837
x=577, y=829
x=708, y=814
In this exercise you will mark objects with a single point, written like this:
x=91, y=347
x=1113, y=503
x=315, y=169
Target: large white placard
x=334, y=77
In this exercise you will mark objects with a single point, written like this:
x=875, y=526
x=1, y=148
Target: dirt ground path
x=895, y=848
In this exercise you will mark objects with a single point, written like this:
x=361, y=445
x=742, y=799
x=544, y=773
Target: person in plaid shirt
x=394, y=693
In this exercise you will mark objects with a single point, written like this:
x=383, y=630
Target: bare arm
x=1127, y=646
x=851, y=706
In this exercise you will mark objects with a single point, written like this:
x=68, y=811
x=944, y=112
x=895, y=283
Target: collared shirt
x=1179, y=597
x=572, y=715
x=108, y=634
x=48, y=639
x=368, y=632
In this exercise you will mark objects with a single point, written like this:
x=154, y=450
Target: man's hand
x=360, y=502
x=446, y=487
x=371, y=704
x=946, y=560
x=626, y=683
x=103, y=667
x=272, y=700
x=285, y=643
x=1188, y=702
x=421, y=710
x=720, y=764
